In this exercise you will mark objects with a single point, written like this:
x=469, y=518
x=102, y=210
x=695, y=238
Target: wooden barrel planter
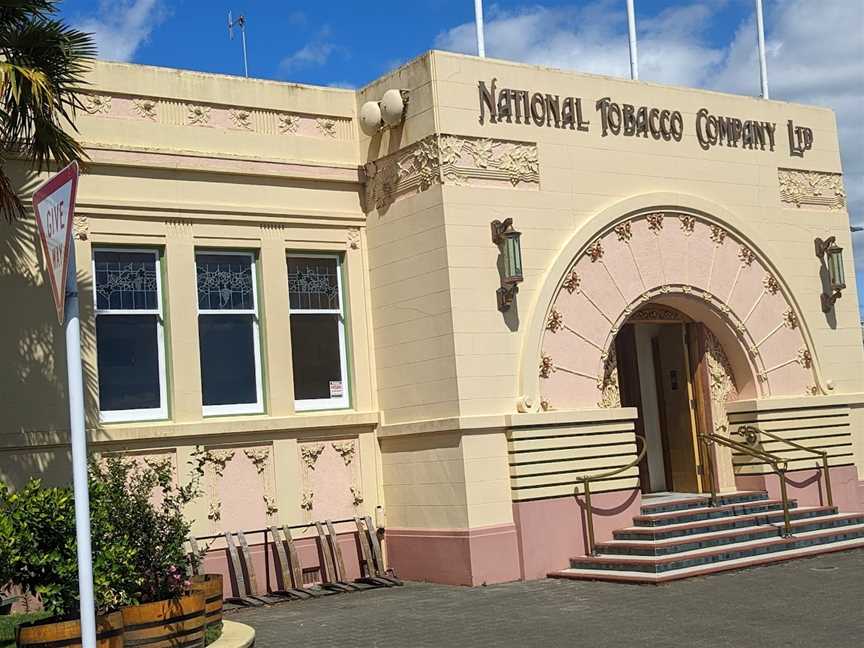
x=176, y=623
x=48, y=633
x=210, y=585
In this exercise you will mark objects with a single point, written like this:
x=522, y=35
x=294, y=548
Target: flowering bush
x=138, y=534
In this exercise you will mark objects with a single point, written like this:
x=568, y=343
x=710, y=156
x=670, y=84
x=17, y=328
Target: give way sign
x=54, y=205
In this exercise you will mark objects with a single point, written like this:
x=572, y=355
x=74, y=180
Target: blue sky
x=334, y=42
x=813, y=57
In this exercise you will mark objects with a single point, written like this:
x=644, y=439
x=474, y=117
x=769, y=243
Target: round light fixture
x=370, y=118
x=392, y=107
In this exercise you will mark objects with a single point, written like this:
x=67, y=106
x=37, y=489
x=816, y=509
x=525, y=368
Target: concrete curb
x=235, y=635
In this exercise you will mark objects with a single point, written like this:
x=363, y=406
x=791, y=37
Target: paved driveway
x=815, y=602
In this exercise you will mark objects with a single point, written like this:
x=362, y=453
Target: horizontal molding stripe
x=554, y=456
x=566, y=467
x=797, y=470
x=572, y=478
x=548, y=432
x=567, y=490
x=527, y=445
x=626, y=489
x=747, y=468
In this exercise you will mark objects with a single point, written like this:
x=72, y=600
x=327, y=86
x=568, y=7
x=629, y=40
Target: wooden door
x=631, y=393
x=674, y=390
x=700, y=379
x=663, y=419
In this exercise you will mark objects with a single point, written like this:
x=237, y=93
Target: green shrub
x=153, y=533
x=5, y=541
x=138, y=539
x=40, y=543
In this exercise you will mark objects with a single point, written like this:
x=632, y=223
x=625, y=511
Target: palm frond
x=43, y=64
x=11, y=205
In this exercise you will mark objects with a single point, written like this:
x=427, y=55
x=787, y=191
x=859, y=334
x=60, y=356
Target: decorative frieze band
x=451, y=160
x=811, y=189
x=204, y=115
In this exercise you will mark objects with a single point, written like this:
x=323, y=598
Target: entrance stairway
x=681, y=538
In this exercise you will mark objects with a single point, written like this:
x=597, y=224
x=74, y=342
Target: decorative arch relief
x=622, y=273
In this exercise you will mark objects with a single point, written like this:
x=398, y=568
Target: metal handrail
x=586, y=482
x=751, y=433
x=778, y=464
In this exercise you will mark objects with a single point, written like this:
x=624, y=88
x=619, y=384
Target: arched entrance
x=726, y=294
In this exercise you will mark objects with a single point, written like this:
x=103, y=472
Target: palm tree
x=42, y=64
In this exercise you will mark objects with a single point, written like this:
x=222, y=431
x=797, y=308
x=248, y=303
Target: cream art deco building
x=325, y=312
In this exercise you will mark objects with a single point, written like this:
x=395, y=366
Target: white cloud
x=311, y=54
x=592, y=37
x=122, y=26
x=315, y=53
x=815, y=56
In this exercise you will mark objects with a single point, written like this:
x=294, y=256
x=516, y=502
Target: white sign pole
x=763, y=65
x=54, y=208
x=78, y=431
x=631, y=28
x=478, y=24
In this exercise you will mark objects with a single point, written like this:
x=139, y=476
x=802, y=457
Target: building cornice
x=213, y=429
x=101, y=154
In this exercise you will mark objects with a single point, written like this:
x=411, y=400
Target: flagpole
x=634, y=54
x=763, y=66
x=478, y=21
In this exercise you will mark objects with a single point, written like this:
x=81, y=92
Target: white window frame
x=235, y=408
x=343, y=401
x=150, y=413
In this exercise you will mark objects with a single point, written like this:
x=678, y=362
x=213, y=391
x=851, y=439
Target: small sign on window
x=336, y=389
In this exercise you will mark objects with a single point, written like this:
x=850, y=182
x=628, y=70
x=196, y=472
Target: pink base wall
x=808, y=487
x=216, y=562
x=545, y=535
x=551, y=531
x=455, y=557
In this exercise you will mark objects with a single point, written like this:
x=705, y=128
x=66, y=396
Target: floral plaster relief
x=179, y=113
x=245, y=488
x=811, y=189
x=330, y=479
x=451, y=160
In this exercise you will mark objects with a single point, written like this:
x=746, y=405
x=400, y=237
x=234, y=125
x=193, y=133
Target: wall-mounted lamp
x=507, y=238
x=832, y=255
x=375, y=116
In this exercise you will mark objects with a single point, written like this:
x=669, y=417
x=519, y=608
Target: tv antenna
x=241, y=24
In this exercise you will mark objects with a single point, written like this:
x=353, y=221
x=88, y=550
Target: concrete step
x=718, y=524
x=718, y=538
x=698, y=501
x=711, y=555
x=709, y=512
x=626, y=574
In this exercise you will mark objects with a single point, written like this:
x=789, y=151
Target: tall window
x=228, y=333
x=317, y=332
x=130, y=346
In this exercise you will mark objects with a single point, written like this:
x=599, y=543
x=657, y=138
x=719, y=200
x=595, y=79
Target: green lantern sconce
x=831, y=255
x=507, y=239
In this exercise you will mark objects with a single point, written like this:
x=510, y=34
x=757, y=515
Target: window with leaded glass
x=228, y=333
x=317, y=332
x=130, y=342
